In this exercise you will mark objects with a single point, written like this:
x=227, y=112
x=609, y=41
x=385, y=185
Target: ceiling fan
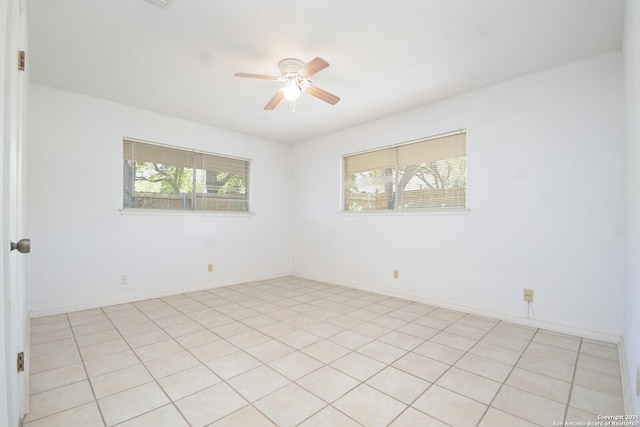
x=296, y=75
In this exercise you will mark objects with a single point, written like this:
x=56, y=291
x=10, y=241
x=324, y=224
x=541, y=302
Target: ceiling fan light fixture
x=291, y=91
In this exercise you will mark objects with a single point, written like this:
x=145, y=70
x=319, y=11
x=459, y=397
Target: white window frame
x=446, y=146
x=193, y=158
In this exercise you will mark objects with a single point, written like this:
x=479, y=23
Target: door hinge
x=21, y=361
x=21, y=60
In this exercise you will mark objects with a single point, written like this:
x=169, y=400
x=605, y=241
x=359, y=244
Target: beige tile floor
x=291, y=352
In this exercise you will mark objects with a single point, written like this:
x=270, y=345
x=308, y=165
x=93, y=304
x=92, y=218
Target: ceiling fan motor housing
x=290, y=65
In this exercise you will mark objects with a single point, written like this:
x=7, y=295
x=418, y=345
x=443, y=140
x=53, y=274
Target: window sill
x=408, y=212
x=161, y=212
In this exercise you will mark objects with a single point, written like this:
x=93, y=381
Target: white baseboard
x=570, y=330
x=147, y=295
x=627, y=390
x=444, y=304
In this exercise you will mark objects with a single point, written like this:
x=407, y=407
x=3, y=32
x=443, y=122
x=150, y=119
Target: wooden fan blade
x=313, y=66
x=323, y=95
x=256, y=76
x=273, y=102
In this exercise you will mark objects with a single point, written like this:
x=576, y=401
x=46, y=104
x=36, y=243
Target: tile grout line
x=448, y=369
x=201, y=363
x=573, y=379
x=330, y=404
x=531, y=340
x=77, y=348
x=222, y=380
x=503, y=383
x=243, y=351
x=323, y=364
x=146, y=369
x=95, y=399
x=354, y=350
x=444, y=329
x=410, y=405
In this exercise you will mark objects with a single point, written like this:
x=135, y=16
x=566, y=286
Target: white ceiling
x=385, y=56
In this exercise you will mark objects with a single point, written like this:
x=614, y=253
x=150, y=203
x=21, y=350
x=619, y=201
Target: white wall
x=82, y=243
x=545, y=192
x=632, y=293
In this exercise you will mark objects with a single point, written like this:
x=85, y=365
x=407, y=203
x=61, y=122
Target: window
x=427, y=174
x=159, y=177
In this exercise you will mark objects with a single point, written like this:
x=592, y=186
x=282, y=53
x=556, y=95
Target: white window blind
x=427, y=174
x=159, y=177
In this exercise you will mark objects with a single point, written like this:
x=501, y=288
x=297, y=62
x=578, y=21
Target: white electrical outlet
x=123, y=280
x=528, y=295
x=396, y=274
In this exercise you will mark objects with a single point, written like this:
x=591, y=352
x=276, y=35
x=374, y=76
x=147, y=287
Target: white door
x=13, y=327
